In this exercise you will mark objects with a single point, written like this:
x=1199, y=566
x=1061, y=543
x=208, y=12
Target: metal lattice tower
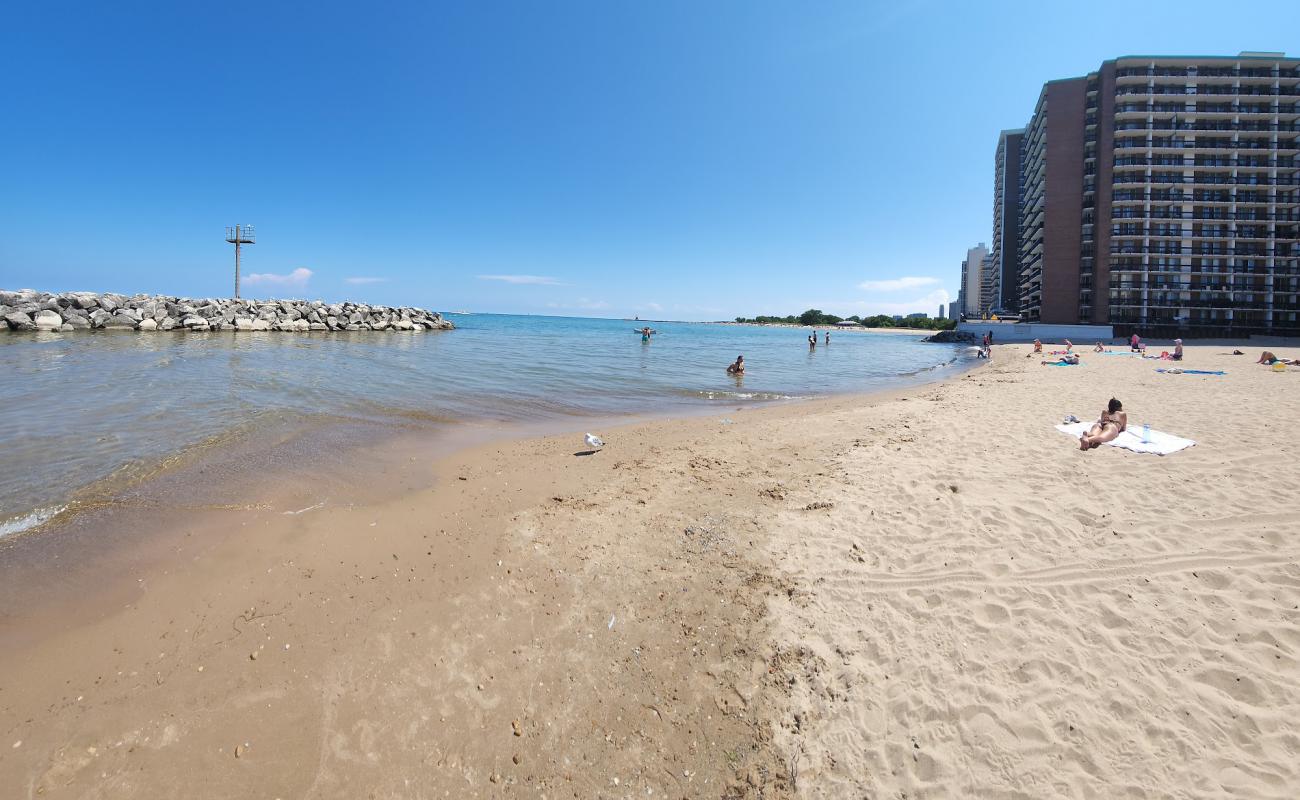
x=239, y=235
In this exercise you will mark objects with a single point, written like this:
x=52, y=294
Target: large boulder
x=19, y=321
x=48, y=320
x=147, y=324
x=125, y=321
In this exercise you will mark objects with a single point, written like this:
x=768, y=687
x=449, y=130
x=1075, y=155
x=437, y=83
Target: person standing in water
x=737, y=367
x=812, y=340
x=828, y=337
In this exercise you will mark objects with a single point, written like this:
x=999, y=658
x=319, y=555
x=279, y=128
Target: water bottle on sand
x=1146, y=433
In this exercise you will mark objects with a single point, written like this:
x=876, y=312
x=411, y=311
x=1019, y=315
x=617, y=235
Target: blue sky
x=686, y=160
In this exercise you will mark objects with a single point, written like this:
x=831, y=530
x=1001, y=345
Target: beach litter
x=610, y=626
x=304, y=510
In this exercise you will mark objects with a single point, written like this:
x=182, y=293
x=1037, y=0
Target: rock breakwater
x=27, y=310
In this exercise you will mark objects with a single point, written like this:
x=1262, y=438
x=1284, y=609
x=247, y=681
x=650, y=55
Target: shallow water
x=85, y=408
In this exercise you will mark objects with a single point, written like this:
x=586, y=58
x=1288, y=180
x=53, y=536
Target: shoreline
x=821, y=598
x=223, y=447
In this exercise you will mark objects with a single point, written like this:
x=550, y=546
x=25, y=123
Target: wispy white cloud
x=654, y=307
x=897, y=284
x=364, y=280
x=294, y=280
x=581, y=304
x=530, y=280
x=867, y=308
x=690, y=309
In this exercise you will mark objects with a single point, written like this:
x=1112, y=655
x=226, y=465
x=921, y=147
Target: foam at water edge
x=26, y=522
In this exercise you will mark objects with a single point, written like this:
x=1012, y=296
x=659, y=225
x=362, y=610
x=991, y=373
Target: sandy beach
x=925, y=593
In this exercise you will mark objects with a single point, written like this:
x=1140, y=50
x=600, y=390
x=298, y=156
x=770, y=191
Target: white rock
x=48, y=321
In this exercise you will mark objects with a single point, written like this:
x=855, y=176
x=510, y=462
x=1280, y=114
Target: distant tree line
x=814, y=316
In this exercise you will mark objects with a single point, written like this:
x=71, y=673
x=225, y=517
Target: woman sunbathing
x=1268, y=359
x=1066, y=359
x=1112, y=423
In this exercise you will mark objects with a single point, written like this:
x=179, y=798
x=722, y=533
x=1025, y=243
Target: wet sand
x=929, y=593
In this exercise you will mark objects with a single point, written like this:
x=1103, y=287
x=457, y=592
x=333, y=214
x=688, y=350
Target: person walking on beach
x=738, y=367
x=1112, y=423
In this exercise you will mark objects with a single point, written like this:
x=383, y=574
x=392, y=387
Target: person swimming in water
x=738, y=367
x=1112, y=422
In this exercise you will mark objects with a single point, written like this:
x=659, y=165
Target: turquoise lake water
x=76, y=408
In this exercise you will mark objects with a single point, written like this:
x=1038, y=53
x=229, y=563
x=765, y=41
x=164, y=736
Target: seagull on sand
x=594, y=442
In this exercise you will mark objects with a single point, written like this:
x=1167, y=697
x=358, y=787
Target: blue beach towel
x=1060, y=364
x=1193, y=371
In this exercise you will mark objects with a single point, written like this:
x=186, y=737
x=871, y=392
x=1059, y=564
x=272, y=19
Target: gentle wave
x=29, y=521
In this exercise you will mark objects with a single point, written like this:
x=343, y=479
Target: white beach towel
x=1162, y=444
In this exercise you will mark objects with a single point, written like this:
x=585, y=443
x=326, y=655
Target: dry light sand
x=926, y=594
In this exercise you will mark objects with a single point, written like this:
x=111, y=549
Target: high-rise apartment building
x=1162, y=194
x=1002, y=284
x=988, y=285
x=972, y=270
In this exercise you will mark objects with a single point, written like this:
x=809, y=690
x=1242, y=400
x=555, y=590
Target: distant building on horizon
x=988, y=286
x=1158, y=194
x=918, y=315
x=971, y=279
